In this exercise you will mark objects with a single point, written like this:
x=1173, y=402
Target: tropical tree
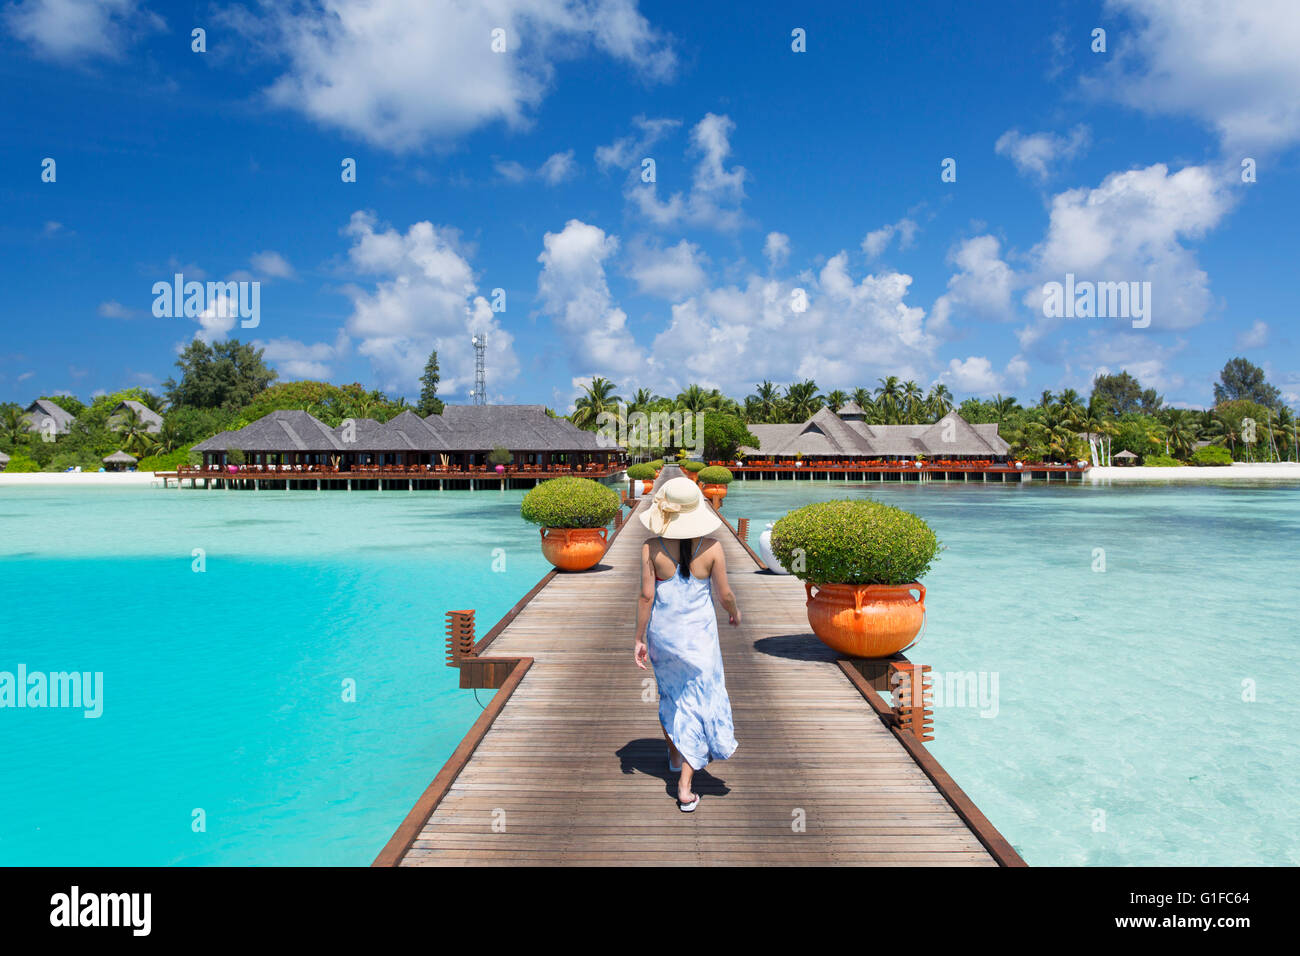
x=766, y=402
x=888, y=395
x=599, y=399
x=13, y=424
x=912, y=397
x=836, y=399
x=939, y=401
x=802, y=400
x=430, y=403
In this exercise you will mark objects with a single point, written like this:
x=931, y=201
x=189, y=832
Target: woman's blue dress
x=683, y=646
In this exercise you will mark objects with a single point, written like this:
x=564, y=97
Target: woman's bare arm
x=645, y=600
x=720, y=585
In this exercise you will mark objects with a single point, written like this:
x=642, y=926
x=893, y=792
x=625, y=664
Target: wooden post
x=460, y=636
x=742, y=530
x=913, y=698
x=618, y=519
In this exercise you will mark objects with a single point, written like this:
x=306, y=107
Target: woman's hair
x=684, y=565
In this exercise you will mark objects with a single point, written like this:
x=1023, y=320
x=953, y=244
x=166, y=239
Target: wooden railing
x=396, y=471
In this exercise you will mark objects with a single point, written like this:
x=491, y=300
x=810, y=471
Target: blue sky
x=782, y=178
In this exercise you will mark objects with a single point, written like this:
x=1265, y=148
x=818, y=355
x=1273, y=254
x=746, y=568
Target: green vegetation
x=330, y=403
x=1161, y=461
x=169, y=461
x=854, y=542
x=715, y=475
x=724, y=434
x=570, y=503
x=499, y=456
x=21, y=463
x=693, y=466
x=223, y=375
x=1211, y=455
x=641, y=472
x=430, y=403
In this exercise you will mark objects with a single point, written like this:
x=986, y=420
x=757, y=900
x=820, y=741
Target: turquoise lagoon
x=1121, y=731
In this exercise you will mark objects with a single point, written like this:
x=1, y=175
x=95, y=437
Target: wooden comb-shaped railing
x=462, y=653
x=913, y=698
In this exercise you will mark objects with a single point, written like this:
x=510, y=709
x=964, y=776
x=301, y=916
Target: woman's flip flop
x=689, y=807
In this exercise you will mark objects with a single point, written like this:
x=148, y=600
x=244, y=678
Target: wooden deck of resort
x=567, y=765
x=386, y=477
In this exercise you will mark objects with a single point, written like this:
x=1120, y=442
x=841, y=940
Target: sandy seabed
x=1240, y=471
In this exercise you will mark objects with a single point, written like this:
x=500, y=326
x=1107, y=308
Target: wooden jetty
x=567, y=766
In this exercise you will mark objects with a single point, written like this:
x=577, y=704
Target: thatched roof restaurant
x=462, y=436
x=828, y=436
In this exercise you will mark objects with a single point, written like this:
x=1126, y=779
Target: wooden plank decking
x=572, y=769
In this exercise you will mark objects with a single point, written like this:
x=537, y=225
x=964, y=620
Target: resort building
x=43, y=410
x=846, y=436
x=152, y=420
x=458, y=440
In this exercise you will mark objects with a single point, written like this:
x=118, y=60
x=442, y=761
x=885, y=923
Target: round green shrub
x=715, y=475
x=692, y=466
x=1211, y=455
x=854, y=542
x=570, y=503
x=657, y=464
x=1161, y=461
x=640, y=472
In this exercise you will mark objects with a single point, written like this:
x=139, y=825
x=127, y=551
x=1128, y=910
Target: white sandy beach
x=1240, y=471
x=72, y=479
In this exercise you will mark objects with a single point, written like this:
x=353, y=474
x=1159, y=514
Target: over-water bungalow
x=845, y=445
x=450, y=446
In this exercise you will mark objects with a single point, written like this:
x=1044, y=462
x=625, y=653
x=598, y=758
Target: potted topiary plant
x=860, y=561
x=499, y=457
x=573, y=513
x=713, y=483
x=639, y=478
x=692, y=470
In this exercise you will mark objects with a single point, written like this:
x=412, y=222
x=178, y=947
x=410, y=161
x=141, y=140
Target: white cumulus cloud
x=403, y=73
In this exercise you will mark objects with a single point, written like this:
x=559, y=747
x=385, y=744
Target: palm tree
x=767, y=401
x=888, y=395
x=642, y=400
x=694, y=399
x=14, y=423
x=836, y=400
x=802, y=400
x=939, y=400
x=1090, y=425
x=155, y=403
x=912, y=396
x=1004, y=406
x=131, y=425
x=1070, y=400
x=169, y=437
x=600, y=399
x=1045, y=399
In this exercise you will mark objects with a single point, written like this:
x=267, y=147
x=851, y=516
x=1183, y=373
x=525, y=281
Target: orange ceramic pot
x=693, y=475
x=715, y=493
x=574, y=549
x=866, y=620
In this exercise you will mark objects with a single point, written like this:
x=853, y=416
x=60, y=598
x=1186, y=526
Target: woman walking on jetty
x=677, y=630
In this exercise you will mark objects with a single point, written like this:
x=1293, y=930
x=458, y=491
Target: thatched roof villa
x=43, y=410
x=830, y=436
x=152, y=420
x=463, y=435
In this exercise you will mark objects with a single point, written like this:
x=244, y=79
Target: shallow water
x=1117, y=726
x=1118, y=733
x=224, y=690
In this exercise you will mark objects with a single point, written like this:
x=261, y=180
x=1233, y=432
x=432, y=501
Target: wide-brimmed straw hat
x=678, y=510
